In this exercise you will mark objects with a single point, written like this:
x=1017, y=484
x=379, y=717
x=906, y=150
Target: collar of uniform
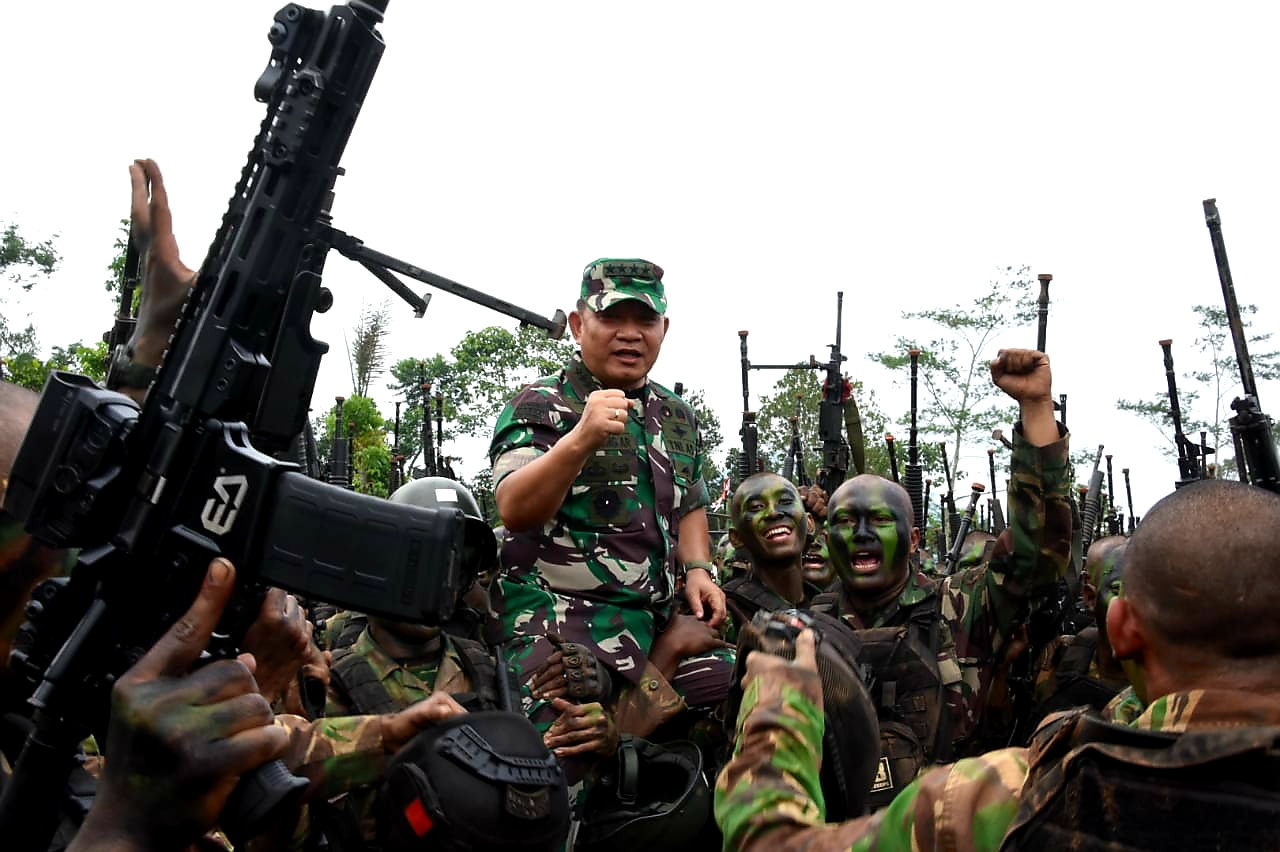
x=1200, y=709
x=583, y=381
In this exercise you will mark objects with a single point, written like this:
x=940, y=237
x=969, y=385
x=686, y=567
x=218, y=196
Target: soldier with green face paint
x=933, y=647
x=1194, y=626
x=598, y=480
x=770, y=523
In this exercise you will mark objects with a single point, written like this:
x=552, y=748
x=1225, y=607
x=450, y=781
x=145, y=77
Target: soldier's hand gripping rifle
x=1250, y=428
x=914, y=480
x=748, y=459
x=1188, y=467
x=150, y=495
x=963, y=527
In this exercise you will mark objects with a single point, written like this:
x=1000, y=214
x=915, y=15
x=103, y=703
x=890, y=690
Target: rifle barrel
x=1042, y=311
x=1214, y=222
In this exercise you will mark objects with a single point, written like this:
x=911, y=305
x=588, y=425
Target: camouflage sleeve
x=527, y=427
x=644, y=706
x=769, y=796
x=1028, y=558
x=335, y=755
x=696, y=495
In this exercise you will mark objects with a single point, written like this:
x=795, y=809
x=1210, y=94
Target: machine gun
x=950, y=518
x=891, y=446
x=428, y=439
x=1128, y=493
x=1090, y=511
x=913, y=480
x=340, y=455
x=748, y=459
x=794, y=468
x=835, y=449
x=1250, y=429
x=1188, y=467
x=962, y=529
x=997, y=511
x=150, y=495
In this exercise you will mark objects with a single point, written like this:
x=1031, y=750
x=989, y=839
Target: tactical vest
x=358, y=680
x=1094, y=785
x=906, y=686
x=746, y=596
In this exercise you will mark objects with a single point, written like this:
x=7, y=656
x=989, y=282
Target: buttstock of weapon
x=1042, y=311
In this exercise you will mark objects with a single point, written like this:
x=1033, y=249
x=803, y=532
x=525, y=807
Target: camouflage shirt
x=768, y=797
x=406, y=681
x=602, y=569
x=982, y=606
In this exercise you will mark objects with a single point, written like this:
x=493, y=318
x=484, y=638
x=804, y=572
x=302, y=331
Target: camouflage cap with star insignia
x=608, y=281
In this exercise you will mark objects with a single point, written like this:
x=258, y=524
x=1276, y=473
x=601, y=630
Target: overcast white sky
x=766, y=155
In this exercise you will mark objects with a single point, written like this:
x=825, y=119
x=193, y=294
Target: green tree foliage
x=485, y=370
x=712, y=437
x=370, y=455
x=27, y=263
x=1205, y=391
x=958, y=402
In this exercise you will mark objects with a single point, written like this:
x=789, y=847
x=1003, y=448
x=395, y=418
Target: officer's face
x=769, y=519
x=869, y=534
x=620, y=344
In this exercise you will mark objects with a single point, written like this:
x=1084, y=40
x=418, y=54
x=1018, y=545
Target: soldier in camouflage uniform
x=771, y=524
x=598, y=479
x=924, y=639
x=1195, y=628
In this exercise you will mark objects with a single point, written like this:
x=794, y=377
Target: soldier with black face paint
x=770, y=523
x=931, y=647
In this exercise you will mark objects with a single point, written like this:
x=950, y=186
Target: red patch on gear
x=419, y=820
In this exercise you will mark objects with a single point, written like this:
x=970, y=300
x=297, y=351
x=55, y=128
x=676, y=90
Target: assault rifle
x=1128, y=492
x=1250, y=429
x=397, y=475
x=149, y=495
x=950, y=519
x=428, y=441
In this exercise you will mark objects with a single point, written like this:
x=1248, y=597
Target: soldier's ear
x=1125, y=629
x=915, y=539
x=575, y=324
x=734, y=538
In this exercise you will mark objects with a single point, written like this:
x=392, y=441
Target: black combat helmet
x=851, y=738
x=478, y=782
x=654, y=797
x=437, y=492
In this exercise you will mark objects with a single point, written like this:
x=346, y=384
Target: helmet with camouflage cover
x=479, y=781
x=609, y=280
x=437, y=492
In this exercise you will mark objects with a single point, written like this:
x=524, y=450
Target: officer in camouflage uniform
x=932, y=646
x=598, y=479
x=1195, y=768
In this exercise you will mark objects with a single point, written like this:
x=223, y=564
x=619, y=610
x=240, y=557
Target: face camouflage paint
x=869, y=534
x=769, y=519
